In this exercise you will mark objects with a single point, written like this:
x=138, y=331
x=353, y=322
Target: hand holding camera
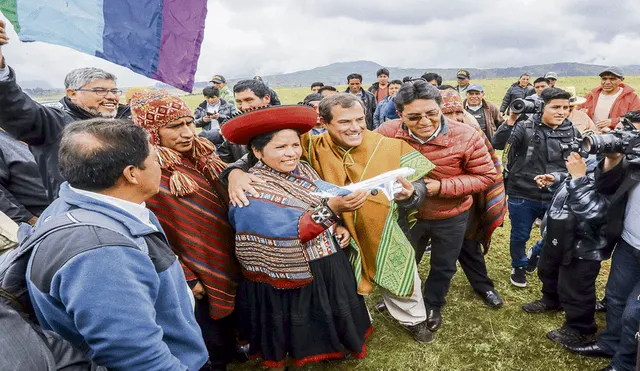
x=576, y=165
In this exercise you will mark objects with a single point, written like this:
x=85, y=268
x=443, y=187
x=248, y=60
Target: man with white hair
x=90, y=93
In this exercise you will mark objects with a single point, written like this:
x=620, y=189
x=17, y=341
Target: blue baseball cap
x=475, y=87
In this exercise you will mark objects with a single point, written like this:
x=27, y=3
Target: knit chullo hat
x=155, y=109
x=451, y=101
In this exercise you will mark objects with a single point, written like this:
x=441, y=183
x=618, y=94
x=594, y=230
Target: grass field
x=473, y=337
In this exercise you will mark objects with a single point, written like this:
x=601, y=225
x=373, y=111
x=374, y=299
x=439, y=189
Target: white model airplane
x=387, y=183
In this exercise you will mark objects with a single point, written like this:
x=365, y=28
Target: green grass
x=473, y=336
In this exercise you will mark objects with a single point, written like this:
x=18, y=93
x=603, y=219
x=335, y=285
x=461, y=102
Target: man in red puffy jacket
x=463, y=168
x=611, y=100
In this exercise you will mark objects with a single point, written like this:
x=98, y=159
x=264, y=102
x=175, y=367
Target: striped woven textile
x=492, y=203
x=200, y=234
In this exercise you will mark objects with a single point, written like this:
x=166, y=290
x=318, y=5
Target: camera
x=625, y=141
x=617, y=141
x=525, y=106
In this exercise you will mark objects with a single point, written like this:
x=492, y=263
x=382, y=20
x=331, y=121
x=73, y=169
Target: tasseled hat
x=155, y=109
x=451, y=101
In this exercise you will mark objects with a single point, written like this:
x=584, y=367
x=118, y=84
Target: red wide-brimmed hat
x=242, y=128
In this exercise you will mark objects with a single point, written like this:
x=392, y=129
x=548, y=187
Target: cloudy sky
x=248, y=37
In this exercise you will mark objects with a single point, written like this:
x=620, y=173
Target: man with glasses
x=463, y=168
x=90, y=93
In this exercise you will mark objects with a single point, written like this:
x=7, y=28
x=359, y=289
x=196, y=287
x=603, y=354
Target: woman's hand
x=576, y=166
x=343, y=236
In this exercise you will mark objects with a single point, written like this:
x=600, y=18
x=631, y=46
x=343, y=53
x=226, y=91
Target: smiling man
x=90, y=93
x=486, y=113
x=463, y=168
x=348, y=153
x=532, y=147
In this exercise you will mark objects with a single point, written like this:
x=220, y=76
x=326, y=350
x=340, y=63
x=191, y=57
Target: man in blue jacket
x=110, y=285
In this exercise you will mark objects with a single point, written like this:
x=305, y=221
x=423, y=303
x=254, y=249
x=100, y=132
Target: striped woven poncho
x=199, y=232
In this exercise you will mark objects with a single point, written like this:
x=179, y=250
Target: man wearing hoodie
x=607, y=103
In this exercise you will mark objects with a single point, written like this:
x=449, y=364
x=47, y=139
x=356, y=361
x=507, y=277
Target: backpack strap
x=529, y=132
x=13, y=266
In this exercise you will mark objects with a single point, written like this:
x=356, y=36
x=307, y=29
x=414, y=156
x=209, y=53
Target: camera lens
x=518, y=106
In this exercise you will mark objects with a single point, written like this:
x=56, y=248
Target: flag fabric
x=159, y=39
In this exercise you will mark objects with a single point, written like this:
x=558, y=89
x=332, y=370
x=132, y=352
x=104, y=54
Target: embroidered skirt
x=323, y=320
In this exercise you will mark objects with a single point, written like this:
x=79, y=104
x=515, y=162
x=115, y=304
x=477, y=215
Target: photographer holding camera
x=574, y=246
x=618, y=177
x=532, y=146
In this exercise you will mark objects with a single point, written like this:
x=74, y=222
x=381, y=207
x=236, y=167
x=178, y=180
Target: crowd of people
x=146, y=246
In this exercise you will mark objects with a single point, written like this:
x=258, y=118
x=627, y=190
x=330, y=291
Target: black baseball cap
x=218, y=79
x=463, y=74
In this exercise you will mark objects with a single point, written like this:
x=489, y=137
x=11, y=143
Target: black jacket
x=274, y=100
x=617, y=183
x=40, y=127
x=22, y=194
x=532, y=148
x=225, y=111
x=370, y=104
x=515, y=91
x=230, y=152
x=576, y=221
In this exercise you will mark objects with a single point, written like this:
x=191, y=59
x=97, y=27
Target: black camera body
x=527, y=106
x=576, y=145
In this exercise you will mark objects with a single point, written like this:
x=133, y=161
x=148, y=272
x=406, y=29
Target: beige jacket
x=582, y=121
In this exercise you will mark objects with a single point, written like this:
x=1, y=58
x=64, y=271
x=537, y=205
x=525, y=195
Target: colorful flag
x=159, y=39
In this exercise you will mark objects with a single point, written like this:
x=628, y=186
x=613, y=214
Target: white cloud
x=248, y=37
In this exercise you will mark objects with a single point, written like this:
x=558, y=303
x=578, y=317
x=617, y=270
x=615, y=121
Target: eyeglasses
x=103, y=92
x=416, y=117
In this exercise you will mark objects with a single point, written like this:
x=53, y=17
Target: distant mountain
x=34, y=84
x=336, y=73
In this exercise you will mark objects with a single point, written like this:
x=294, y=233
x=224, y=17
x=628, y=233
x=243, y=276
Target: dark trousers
x=446, y=242
x=219, y=336
x=623, y=307
x=474, y=267
x=523, y=214
x=573, y=286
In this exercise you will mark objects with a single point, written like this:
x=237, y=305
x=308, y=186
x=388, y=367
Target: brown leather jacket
x=463, y=166
x=492, y=116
